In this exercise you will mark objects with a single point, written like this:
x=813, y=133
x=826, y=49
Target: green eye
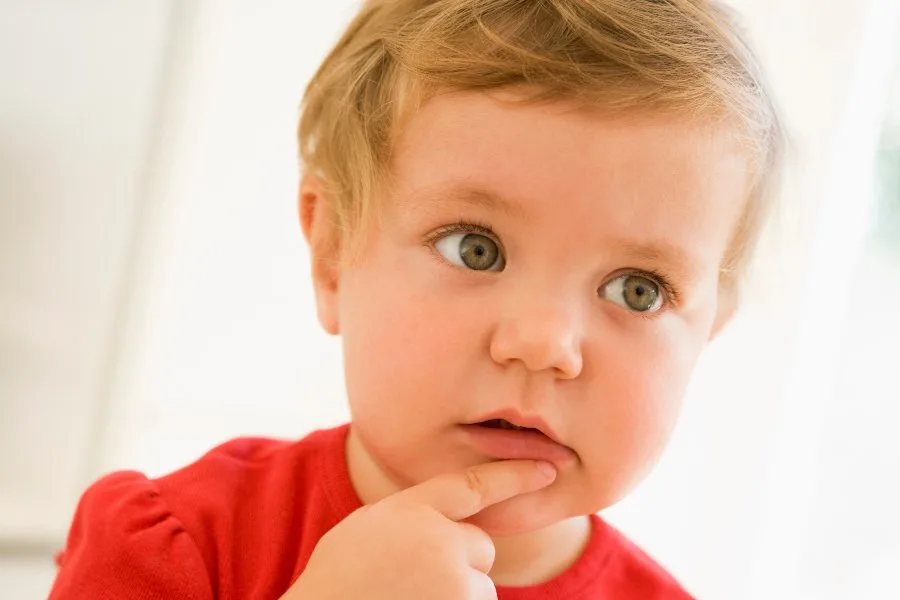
x=634, y=292
x=471, y=250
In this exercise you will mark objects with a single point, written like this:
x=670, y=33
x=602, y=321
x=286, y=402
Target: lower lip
x=506, y=444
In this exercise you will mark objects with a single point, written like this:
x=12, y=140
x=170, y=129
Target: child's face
x=554, y=307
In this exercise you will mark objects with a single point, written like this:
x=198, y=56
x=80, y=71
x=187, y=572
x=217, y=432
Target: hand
x=413, y=545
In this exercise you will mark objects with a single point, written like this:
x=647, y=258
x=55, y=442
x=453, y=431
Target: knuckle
x=476, y=482
x=480, y=587
x=475, y=534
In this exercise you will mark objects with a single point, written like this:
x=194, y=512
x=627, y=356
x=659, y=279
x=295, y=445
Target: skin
x=575, y=199
x=420, y=525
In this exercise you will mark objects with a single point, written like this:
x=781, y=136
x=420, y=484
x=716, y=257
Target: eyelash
x=464, y=227
x=486, y=230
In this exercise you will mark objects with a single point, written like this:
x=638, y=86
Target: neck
x=522, y=559
x=538, y=556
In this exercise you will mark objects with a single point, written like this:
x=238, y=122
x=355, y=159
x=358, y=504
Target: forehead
x=462, y=133
x=597, y=176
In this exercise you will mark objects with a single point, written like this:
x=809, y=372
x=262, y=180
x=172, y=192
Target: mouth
x=511, y=420
x=517, y=437
x=504, y=424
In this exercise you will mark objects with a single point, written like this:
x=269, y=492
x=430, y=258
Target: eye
x=471, y=250
x=634, y=292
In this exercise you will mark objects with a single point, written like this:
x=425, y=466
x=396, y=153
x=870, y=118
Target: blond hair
x=682, y=56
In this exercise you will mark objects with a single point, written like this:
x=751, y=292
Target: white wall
x=80, y=86
x=80, y=83
x=154, y=294
x=223, y=336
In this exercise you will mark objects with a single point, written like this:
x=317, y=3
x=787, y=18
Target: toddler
x=527, y=219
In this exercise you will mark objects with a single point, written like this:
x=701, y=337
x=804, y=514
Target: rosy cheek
x=633, y=399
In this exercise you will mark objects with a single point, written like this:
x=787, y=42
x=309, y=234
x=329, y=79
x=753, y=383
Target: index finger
x=458, y=496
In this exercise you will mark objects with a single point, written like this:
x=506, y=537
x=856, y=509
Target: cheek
x=409, y=359
x=403, y=352
x=636, y=388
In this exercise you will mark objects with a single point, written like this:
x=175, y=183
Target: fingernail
x=546, y=468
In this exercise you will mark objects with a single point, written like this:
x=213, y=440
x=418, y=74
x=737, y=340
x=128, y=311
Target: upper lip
x=517, y=418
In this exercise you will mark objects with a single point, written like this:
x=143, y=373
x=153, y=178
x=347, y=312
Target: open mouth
x=502, y=439
x=504, y=424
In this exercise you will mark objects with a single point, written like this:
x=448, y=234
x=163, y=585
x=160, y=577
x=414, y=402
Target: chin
x=522, y=514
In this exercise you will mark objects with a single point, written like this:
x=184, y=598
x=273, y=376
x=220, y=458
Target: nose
x=546, y=338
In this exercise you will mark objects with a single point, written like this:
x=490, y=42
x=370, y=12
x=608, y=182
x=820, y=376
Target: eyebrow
x=467, y=193
x=670, y=255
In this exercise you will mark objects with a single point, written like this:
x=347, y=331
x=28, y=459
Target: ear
x=321, y=233
x=727, y=305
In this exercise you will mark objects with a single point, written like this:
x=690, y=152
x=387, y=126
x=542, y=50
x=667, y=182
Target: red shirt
x=241, y=523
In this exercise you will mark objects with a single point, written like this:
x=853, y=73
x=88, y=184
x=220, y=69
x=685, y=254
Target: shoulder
x=242, y=492
x=175, y=533
x=119, y=509
x=634, y=572
x=123, y=538
x=246, y=471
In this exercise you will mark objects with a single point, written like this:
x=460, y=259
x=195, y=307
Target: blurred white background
x=155, y=298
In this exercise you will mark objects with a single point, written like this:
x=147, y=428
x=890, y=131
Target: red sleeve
x=124, y=544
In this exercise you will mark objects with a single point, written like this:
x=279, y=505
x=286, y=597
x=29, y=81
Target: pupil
x=640, y=293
